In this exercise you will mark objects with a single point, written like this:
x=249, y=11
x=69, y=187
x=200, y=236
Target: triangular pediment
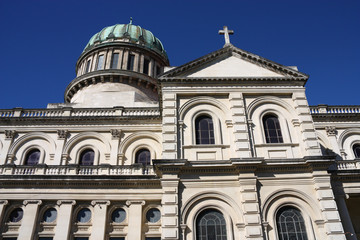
x=233, y=63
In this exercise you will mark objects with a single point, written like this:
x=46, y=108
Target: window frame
x=357, y=145
x=284, y=127
x=137, y=152
x=100, y=64
x=196, y=219
x=218, y=128
x=279, y=138
x=211, y=139
x=28, y=150
x=81, y=152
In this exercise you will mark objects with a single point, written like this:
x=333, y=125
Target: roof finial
x=130, y=20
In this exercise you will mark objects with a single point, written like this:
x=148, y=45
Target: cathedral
x=225, y=147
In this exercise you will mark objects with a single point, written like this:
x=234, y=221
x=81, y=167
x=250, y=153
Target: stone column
x=28, y=223
x=169, y=126
x=240, y=130
x=331, y=219
x=135, y=219
x=63, y=221
x=3, y=204
x=345, y=218
x=250, y=203
x=99, y=220
x=169, y=202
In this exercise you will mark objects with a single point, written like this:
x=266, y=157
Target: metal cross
x=226, y=32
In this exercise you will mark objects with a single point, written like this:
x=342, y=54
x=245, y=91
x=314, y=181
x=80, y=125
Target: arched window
x=143, y=156
x=84, y=215
x=32, y=157
x=87, y=157
x=272, y=129
x=50, y=215
x=204, y=129
x=16, y=215
x=356, y=149
x=290, y=224
x=210, y=224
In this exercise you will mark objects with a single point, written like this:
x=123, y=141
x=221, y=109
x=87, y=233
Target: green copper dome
x=131, y=33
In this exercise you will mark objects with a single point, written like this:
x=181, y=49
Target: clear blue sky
x=40, y=40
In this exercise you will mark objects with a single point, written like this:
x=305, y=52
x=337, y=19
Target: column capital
x=62, y=134
x=71, y=202
x=26, y=202
x=131, y=202
x=100, y=202
x=4, y=202
x=9, y=134
x=331, y=130
x=116, y=133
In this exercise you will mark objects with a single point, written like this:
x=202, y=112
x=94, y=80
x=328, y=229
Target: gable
x=232, y=66
x=233, y=63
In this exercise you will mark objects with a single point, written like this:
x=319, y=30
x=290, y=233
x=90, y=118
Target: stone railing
x=325, y=109
x=346, y=165
x=131, y=170
x=78, y=112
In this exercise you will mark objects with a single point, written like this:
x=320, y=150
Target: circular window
x=50, y=215
x=118, y=215
x=153, y=215
x=84, y=215
x=16, y=215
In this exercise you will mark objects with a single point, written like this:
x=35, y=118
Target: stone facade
x=126, y=155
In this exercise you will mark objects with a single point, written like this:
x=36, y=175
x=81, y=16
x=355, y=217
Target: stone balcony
x=76, y=170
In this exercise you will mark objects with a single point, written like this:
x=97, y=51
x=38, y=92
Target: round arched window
x=210, y=224
x=143, y=156
x=87, y=157
x=204, y=129
x=16, y=215
x=84, y=215
x=153, y=215
x=290, y=224
x=118, y=215
x=50, y=215
x=356, y=149
x=32, y=157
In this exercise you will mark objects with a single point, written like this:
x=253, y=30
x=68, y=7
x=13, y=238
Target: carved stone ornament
x=71, y=202
x=115, y=133
x=100, y=202
x=62, y=134
x=129, y=202
x=38, y=202
x=330, y=130
x=9, y=134
x=4, y=202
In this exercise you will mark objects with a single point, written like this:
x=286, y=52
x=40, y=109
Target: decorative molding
x=330, y=130
x=26, y=202
x=4, y=202
x=10, y=134
x=60, y=202
x=130, y=202
x=62, y=134
x=116, y=133
x=100, y=202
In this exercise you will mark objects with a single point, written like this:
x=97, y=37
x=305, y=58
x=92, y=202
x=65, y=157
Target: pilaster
x=8, y=140
x=99, y=227
x=135, y=218
x=169, y=202
x=3, y=204
x=240, y=129
x=307, y=127
x=116, y=135
x=60, y=142
x=333, y=228
x=331, y=133
x=63, y=226
x=169, y=126
x=345, y=217
x=250, y=204
x=28, y=223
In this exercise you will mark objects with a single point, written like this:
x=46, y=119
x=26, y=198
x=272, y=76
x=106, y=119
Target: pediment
x=233, y=63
